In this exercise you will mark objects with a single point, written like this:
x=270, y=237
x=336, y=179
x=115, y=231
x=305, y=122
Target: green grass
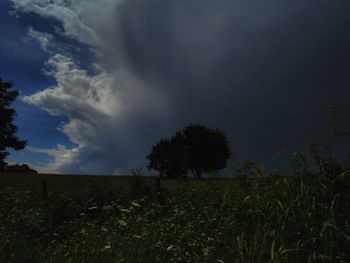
x=121, y=219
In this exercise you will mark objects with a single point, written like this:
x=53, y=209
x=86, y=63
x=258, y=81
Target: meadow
x=123, y=219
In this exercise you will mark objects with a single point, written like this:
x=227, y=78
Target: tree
x=158, y=157
x=206, y=149
x=196, y=148
x=8, y=129
x=166, y=157
x=20, y=168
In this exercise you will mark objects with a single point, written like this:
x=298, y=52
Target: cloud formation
x=99, y=115
x=62, y=11
x=260, y=71
x=43, y=39
x=61, y=158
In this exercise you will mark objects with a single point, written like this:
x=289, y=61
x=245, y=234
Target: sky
x=102, y=81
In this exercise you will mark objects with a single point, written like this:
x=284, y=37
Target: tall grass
x=275, y=220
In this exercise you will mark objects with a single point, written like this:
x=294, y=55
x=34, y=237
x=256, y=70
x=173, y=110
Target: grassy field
x=123, y=219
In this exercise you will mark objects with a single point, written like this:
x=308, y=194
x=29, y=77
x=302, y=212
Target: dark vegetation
x=8, y=129
x=60, y=218
x=196, y=148
x=19, y=168
x=122, y=219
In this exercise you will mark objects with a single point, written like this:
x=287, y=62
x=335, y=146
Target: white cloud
x=101, y=108
x=114, y=115
x=110, y=113
x=89, y=102
x=61, y=157
x=62, y=11
x=75, y=90
x=44, y=39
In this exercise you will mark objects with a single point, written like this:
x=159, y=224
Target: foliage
x=8, y=129
x=139, y=186
x=205, y=149
x=296, y=219
x=167, y=156
x=316, y=160
x=248, y=169
x=196, y=148
x=17, y=168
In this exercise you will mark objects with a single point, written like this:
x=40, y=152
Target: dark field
x=122, y=219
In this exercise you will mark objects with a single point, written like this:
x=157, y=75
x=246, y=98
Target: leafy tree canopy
x=206, y=149
x=196, y=148
x=167, y=157
x=8, y=130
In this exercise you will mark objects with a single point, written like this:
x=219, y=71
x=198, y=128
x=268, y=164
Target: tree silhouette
x=8, y=129
x=206, y=149
x=196, y=148
x=167, y=157
x=158, y=158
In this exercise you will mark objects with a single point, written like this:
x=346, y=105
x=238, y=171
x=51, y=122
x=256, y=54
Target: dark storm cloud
x=261, y=70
